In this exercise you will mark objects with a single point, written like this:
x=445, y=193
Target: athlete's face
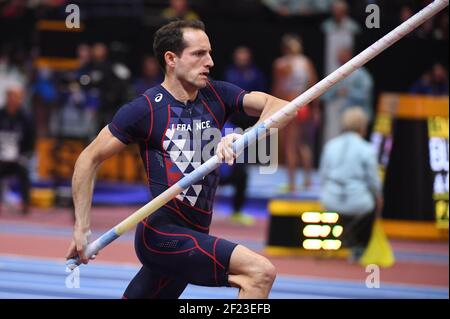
x=194, y=63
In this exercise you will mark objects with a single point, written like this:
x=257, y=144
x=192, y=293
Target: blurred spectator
x=406, y=12
x=237, y=176
x=293, y=74
x=84, y=76
x=298, y=7
x=84, y=57
x=13, y=9
x=179, y=9
x=250, y=78
x=340, y=31
x=17, y=140
x=244, y=73
x=74, y=118
x=151, y=75
x=109, y=80
x=9, y=74
x=355, y=89
x=433, y=82
x=44, y=98
x=435, y=28
x=350, y=182
x=425, y=30
x=441, y=30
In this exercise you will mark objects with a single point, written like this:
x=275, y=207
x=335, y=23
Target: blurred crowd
x=78, y=102
x=63, y=102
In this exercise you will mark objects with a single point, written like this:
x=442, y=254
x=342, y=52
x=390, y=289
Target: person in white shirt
x=340, y=31
x=17, y=139
x=350, y=184
x=356, y=89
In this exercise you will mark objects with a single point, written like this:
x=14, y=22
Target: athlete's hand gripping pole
x=279, y=119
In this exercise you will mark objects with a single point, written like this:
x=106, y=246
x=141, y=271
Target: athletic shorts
x=174, y=255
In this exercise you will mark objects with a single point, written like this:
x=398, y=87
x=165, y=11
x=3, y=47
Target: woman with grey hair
x=350, y=182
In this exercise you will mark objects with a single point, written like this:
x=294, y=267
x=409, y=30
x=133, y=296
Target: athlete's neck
x=180, y=92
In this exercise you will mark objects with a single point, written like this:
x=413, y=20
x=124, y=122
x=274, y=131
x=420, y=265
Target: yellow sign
x=441, y=214
x=438, y=127
x=383, y=124
x=433, y=110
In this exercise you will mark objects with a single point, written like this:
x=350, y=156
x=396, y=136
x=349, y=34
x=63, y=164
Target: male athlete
x=173, y=243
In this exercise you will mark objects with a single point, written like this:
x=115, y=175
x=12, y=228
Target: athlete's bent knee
x=264, y=274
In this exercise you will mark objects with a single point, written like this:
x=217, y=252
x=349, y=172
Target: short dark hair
x=170, y=38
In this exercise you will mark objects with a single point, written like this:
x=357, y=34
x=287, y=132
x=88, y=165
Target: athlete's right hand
x=225, y=151
x=78, y=245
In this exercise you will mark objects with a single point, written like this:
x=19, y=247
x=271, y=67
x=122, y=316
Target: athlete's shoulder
x=217, y=84
x=157, y=97
x=222, y=88
x=154, y=93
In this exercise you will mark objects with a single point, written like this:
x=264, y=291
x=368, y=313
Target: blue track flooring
x=24, y=277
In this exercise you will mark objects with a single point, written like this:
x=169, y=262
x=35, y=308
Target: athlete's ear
x=170, y=57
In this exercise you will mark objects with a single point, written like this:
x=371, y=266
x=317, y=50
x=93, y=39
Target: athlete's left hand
x=77, y=248
x=225, y=148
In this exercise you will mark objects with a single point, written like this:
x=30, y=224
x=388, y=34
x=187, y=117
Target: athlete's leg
x=199, y=258
x=183, y=253
x=252, y=273
x=149, y=285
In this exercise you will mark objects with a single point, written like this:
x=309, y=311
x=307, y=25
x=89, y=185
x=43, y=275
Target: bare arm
x=104, y=146
x=262, y=105
x=255, y=104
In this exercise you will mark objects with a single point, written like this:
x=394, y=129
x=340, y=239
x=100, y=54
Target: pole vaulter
x=277, y=120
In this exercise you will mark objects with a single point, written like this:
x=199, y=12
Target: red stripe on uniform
x=162, y=147
x=179, y=213
x=161, y=284
x=209, y=110
x=214, y=254
x=163, y=252
x=189, y=236
x=218, y=96
x=237, y=99
x=193, y=207
x=150, y=129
